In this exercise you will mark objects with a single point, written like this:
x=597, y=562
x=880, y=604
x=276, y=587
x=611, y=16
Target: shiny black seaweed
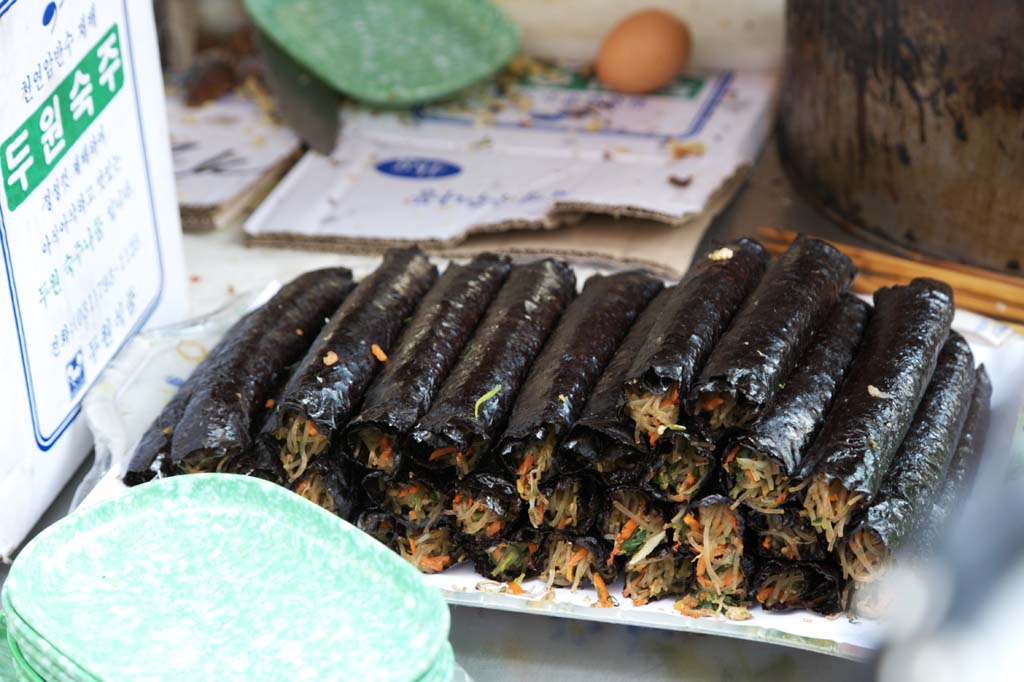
x=330, y=381
x=601, y=433
x=823, y=586
x=913, y=481
x=151, y=456
x=881, y=392
x=579, y=349
x=786, y=428
x=231, y=392
x=700, y=309
x=964, y=464
x=427, y=350
x=765, y=340
x=498, y=355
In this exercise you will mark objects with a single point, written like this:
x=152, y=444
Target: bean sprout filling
x=714, y=537
x=655, y=578
x=652, y=413
x=511, y=558
x=722, y=410
x=561, y=509
x=430, y=551
x=701, y=604
x=314, y=488
x=635, y=530
x=681, y=471
x=474, y=517
x=375, y=448
x=789, y=542
x=759, y=481
x=864, y=557
x=416, y=501
x=782, y=589
x=568, y=565
x=536, y=462
x=829, y=505
x=204, y=461
x=302, y=442
x=464, y=462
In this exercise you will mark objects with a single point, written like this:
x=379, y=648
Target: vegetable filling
x=204, y=462
x=655, y=578
x=829, y=506
x=376, y=450
x=682, y=471
x=635, y=530
x=474, y=517
x=464, y=462
x=759, y=481
x=302, y=442
x=722, y=410
x=561, y=510
x=568, y=565
x=536, y=462
x=782, y=589
x=702, y=604
x=864, y=557
x=787, y=541
x=416, y=501
x=652, y=413
x=714, y=537
x=314, y=488
x=430, y=551
x=511, y=558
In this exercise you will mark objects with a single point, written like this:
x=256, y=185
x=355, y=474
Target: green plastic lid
x=219, y=577
x=391, y=52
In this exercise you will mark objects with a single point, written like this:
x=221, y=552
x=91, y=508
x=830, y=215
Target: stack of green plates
x=217, y=577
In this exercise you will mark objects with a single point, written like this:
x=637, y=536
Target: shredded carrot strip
x=379, y=353
x=764, y=594
x=412, y=514
x=515, y=588
x=692, y=523
x=437, y=563
x=652, y=438
x=493, y=528
x=412, y=546
x=457, y=498
x=767, y=543
x=440, y=452
x=732, y=454
x=579, y=556
x=602, y=592
x=311, y=429
x=708, y=404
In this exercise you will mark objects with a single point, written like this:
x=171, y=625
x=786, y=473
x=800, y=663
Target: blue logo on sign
x=418, y=167
x=75, y=371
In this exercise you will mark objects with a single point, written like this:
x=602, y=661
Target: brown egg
x=643, y=52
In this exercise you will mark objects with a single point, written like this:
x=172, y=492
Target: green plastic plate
x=391, y=52
x=188, y=576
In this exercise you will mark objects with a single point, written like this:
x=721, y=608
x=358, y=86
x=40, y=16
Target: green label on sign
x=39, y=144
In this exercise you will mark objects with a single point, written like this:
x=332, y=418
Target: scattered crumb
x=331, y=358
x=269, y=404
x=878, y=393
x=593, y=124
x=299, y=332
x=680, y=182
x=561, y=396
x=724, y=253
x=168, y=431
x=195, y=279
x=683, y=149
x=231, y=289
x=379, y=353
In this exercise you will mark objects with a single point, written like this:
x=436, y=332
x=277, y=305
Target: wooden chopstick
x=992, y=294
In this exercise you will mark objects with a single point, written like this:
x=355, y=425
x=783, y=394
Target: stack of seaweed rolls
x=751, y=434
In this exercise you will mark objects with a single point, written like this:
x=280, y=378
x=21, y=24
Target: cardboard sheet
x=551, y=148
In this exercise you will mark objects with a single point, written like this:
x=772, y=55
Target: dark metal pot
x=906, y=119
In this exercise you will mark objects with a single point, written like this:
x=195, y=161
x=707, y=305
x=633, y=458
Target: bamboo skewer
x=991, y=294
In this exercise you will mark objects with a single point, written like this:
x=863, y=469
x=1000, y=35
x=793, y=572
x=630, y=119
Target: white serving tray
x=143, y=377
